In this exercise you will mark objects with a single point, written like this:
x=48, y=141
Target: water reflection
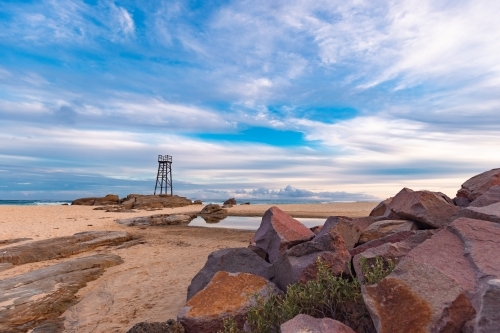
x=243, y=222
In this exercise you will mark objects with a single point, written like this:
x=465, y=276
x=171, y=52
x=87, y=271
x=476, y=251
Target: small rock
x=278, y=232
x=231, y=202
x=197, y=202
x=385, y=228
x=227, y=295
x=302, y=323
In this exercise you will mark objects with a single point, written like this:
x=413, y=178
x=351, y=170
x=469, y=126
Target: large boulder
x=479, y=184
x=344, y=227
x=84, y=201
x=433, y=209
x=213, y=209
x=488, y=318
x=302, y=323
x=491, y=196
x=299, y=264
x=158, y=201
x=278, y=232
x=110, y=199
x=229, y=260
x=383, y=212
x=61, y=247
x=227, y=295
x=488, y=213
x=385, y=228
x=43, y=294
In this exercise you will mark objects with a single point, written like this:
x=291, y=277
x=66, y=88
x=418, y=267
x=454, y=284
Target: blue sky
x=267, y=99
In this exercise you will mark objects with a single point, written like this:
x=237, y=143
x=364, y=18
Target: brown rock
x=158, y=201
x=479, y=184
x=197, y=202
x=303, y=323
x=385, y=228
x=429, y=208
x=364, y=222
x=170, y=326
x=61, y=247
x=157, y=219
x=344, y=227
x=213, y=209
x=417, y=298
x=488, y=213
x=278, y=232
x=109, y=199
x=299, y=264
x=392, y=238
x=231, y=202
x=227, y=295
x=45, y=293
x=6, y=266
x=13, y=240
x=461, y=202
x=491, y=196
x=381, y=208
x=84, y=202
x=488, y=318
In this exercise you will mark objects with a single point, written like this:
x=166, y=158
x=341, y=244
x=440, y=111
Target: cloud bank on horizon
x=340, y=100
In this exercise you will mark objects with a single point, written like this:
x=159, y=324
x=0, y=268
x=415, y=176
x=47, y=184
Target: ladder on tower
x=164, y=176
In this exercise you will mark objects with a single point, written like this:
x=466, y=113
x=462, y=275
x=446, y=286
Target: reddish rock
x=479, y=184
x=344, y=227
x=393, y=238
x=461, y=202
x=381, y=208
x=417, y=297
x=488, y=318
x=363, y=222
x=488, y=213
x=385, y=228
x=491, y=196
x=303, y=323
x=426, y=207
x=227, y=295
x=299, y=264
x=232, y=261
x=278, y=232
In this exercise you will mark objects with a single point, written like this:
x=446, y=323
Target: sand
x=152, y=282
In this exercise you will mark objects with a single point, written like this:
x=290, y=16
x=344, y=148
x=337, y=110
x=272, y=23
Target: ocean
x=34, y=202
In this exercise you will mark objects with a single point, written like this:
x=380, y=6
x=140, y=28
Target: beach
x=151, y=283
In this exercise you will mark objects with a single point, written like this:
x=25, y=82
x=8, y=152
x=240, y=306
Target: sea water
x=248, y=223
x=34, y=202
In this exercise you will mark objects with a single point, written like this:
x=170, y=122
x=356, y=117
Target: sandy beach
x=151, y=284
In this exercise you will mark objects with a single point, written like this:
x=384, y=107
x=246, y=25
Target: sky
x=329, y=100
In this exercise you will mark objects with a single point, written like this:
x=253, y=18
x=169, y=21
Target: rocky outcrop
x=430, y=208
x=227, y=295
x=197, y=202
x=157, y=219
x=299, y=264
x=110, y=199
x=303, y=323
x=488, y=213
x=13, y=240
x=344, y=227
x=42, y=294
x=233, y=261
x=84, y=201
x=491, y=196
x=278, y=232
x=230, y=202
x=385, y=228
x=6, y=266
x=488, y=318
x=479, y=184
x=61, y=247
x=170, y=326
x=158, y=201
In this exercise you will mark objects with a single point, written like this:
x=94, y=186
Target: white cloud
x=126, y=22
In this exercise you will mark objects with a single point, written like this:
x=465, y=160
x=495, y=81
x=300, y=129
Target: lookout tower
x=164, y=176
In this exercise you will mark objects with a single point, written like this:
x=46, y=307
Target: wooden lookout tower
x=164, y=176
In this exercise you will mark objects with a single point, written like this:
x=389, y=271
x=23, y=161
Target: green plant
x=376, y=270
x=230, y=326
x=339, y=298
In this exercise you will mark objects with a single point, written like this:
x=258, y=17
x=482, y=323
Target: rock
x=278, y=232
x=109, y=199
x=213, y=218
x=227, y=295
x=344, y=227
x=364, y=222
x=197, y=202
x=429, y=208
x=13, y=240
x=49, y=326
x=213, y=209
x=158, y=201
x=245, y=203
x=381, y=208
x=488, y=213
x=128, y=203
x=392, y=238
x=488, y=318
x=417, y=297
x=303, y=324
x=231, y=202
x=84, y=202
x=385, y=228
x=171, y=326
x=491, y=196
x=299, y=264
x=6, y=266
x=258, y=251
x=233, y=261
x=45, y=293
x=461, y=202
x=479, y=184
x=61, y=247
x=395, y=251
x=157, y=219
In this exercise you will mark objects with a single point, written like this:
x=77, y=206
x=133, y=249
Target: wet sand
x=152, y=282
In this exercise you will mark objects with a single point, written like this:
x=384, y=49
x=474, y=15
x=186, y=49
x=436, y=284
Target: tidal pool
x=247, y=223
